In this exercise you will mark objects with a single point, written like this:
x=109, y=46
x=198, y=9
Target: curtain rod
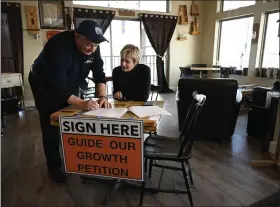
x=93, y=10
x=12, y=3
x=158, y=15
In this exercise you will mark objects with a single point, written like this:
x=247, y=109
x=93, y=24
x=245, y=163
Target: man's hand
x=118, y=95
x=103, y=102
x=83, y=104
x=88, y=105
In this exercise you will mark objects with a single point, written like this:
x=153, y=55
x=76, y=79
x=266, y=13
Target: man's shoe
x=57, y=175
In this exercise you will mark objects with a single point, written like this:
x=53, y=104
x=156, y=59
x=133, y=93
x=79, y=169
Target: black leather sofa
x=219, y=115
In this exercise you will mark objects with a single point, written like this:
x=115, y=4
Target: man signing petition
x=55, y=77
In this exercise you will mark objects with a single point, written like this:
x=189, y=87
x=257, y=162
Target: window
x=271, y=44
x=234, y=47
x=124, y=32
x=159, y=6
x=146, y=48
x=120, y=33
x=230, y=5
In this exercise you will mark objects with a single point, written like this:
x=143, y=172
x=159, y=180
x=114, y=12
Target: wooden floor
x=222, y=172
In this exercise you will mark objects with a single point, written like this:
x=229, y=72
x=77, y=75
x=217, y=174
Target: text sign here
x=103, y=147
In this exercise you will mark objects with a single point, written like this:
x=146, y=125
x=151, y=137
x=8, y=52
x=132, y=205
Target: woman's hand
x=103, y=102
x=118, y=95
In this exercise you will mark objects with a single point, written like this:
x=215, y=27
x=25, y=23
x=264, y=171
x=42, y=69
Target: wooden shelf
x=181, y=39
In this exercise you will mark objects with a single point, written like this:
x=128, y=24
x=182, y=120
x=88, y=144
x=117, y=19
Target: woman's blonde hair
x=132, y=52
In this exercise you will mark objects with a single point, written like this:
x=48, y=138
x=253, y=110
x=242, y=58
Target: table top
x=10, y=74
x=204, y=68
x=150, y=123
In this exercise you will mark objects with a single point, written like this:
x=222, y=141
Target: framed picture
x=51, y=14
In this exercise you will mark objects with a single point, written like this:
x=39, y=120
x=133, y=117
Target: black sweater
x=61, y=68
x=135, y=84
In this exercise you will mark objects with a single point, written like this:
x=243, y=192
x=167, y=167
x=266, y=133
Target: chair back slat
x=189, y=125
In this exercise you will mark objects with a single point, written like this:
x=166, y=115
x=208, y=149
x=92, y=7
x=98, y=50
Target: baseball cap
x=91, y=30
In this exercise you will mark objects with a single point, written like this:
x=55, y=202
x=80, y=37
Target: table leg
x=200, y=74
x=117, y=186
x=2, y=121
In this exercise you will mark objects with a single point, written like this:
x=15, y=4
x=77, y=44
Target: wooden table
x=150, y=123
x=204, y=69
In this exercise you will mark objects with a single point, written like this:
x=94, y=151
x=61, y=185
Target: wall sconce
x=182, y=35
x=37, y=36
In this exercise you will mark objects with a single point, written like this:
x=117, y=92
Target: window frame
x=260, y=62
x=217, y=59
x=222, y=6
x=167, y=7
x=167, y=54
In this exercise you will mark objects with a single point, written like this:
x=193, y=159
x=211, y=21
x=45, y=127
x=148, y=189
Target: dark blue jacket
x=60, y=69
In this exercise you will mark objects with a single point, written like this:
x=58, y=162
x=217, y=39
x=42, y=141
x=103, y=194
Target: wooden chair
x=155, y=90
x=86, y=91
x=176, y=150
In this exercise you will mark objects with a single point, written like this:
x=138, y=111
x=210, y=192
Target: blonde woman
x=131, y=80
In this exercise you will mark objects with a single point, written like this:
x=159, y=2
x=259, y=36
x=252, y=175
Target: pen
x=67, y=111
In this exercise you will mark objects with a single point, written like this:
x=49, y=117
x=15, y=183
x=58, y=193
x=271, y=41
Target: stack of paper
x=145, y=111
x=109, y=112
x=140, y=111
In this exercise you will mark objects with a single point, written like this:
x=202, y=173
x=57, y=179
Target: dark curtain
x=11, y=44
x=12, y=41
x=159, y=29
x=102, y=17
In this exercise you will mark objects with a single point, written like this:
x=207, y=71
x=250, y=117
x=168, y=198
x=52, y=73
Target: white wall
x=186, y=52
x=31, y=49
x=210, y=35
x=181, y=52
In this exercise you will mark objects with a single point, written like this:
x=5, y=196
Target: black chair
x=233, y=70
x=245, y=71
x=85, y=90
x=220, y=112
x=216, y=66
x=178, y=150
x=11, y=102
x=155, y=90
x=196, y=73
x=225, y=72
x=186, y=72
